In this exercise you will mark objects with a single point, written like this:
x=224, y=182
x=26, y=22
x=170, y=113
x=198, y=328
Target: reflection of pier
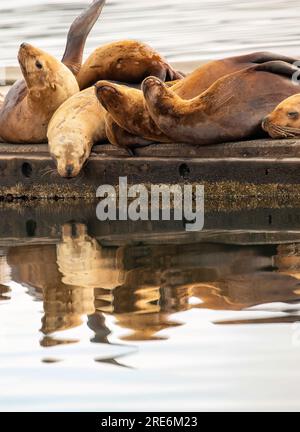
x=41, y=224
x=143, y=285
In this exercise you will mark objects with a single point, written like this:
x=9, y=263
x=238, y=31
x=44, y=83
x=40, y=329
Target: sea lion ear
x=53, y=86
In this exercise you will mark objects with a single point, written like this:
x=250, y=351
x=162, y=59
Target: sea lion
x=284, y=121
x=231, y=109
x=125, y=61
x=134, y=116
x=78, y=124
x=74, y=128
x=30, y=103
x=118, y=100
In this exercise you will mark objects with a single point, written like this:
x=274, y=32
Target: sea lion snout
x=28, y=49
x=23, y=45
x=69, y=170
x=266, y=123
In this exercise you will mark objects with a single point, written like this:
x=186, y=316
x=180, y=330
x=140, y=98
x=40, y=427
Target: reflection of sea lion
x=134, y=117
x=30, y=103
x=284, y=121
x=73, y=129
x=231, y=109
x=83, y=262
x=125, y=61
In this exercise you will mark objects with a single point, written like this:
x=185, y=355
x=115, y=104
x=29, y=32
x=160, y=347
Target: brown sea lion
x=126, y=107
x=231, y=109
x=134, y=116
x=284, y=121
x=125, y=61
x=30, y=103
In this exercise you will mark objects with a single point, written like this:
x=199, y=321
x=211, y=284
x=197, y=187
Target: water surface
x=181, y=30
x=98, y=316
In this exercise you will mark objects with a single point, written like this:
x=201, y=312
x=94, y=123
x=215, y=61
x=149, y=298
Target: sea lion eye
x=293, y=115
x=39, y=65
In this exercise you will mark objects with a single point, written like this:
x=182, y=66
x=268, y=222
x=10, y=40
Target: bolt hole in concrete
x=184, y=171
x=26, y=169
x=31, y=228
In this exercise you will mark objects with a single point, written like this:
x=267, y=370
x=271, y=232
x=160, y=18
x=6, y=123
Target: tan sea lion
x=125, y=61
x=78, y=124
x=74, y=128
x=30, y=103
x=134, y=116
x=284, y=121
x=231, y=109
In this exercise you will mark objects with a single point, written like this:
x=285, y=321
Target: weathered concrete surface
x=251, y=168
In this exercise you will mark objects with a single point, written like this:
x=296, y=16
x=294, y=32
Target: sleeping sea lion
x=30, y=103
x=231, y=109
x=74, y=128
x=125, y=61
x=284, y=121
x=78, y=124
x=134, y=116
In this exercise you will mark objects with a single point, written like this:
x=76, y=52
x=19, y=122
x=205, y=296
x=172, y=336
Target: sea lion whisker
x=49, y=171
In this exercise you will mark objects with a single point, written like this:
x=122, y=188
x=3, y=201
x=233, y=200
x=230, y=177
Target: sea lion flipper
x=121, y=138
x=155, y=91
x=277, y=67
x=78, y=34
x=127, y=108
x=265, y=56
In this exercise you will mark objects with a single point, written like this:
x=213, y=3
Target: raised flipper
x=78, y=34
x=278, y=68
x=126, y=106
x=263, y=57
x=162, y=100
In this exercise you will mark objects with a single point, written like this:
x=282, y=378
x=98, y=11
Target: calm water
x=182, y=30
x=116, y=317
x=110, y=317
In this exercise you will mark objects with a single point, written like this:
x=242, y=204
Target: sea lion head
x=284, y=121
x=69, y=154
x=45, y=75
